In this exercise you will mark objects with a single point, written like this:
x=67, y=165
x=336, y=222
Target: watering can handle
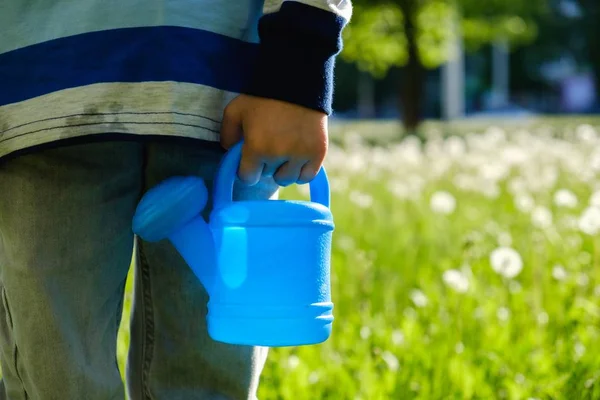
x=227, y=173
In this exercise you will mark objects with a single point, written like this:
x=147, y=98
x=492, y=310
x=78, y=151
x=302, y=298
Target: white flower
x=345, y=243
x=543, y=318
x=391, y=360
x=313, y=377
x=456, y=280
x=459, y=348
x=595, y=199
x=339, y=184
x=559, y=273
x=589, y=222
x=541, y=217
x=363, y=200
x=490, y=190
x=586, y=133
x=397, y=337
x=442, y=203
x=493, y=171
x=355, y=162
x=579, y=350
x=517, y=185
x=583, y=279
x=455, y=146
x=365, y=332
x=419, y=298
x=506, y=262
x=594, y=160
x=503, y=314
x=565, y=198
x=293, y=361
x=464, y=181
x=524, y=203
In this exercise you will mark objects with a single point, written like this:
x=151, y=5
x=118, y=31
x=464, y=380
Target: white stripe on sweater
x=342, y=8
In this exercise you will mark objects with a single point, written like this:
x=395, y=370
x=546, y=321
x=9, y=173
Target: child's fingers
x=308, y=172
x=251, y=167
x=289, y=172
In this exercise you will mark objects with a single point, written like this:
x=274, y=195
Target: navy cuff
x=297, y=50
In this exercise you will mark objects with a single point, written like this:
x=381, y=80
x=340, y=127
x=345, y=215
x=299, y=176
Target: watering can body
x=264, y=263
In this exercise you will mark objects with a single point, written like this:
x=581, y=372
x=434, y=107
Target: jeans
x=66, y=246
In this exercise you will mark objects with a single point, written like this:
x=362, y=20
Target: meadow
x=465, y=266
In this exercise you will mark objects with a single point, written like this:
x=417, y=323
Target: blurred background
x=442, y=59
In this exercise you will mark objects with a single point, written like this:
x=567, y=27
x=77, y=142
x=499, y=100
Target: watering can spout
x=173, y=210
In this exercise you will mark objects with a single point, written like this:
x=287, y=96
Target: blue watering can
x=264, y=263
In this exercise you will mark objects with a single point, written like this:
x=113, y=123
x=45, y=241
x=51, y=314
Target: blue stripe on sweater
x=163, y=53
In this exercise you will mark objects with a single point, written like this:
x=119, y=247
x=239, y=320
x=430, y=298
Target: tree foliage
x=375, y=40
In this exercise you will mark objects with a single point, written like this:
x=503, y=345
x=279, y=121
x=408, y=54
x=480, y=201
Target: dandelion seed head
x=589, y=222
x=365, y=332
x=541, y=217
x=418, y=298
x=578, y=350
x=456, y=280
x=293, y=361
x=362, y=200
x=565, y=198
x=397, y=337
x=391, y=360
x=583, y=279
x=503, y=314
x=442, y=203
x=559, y=273
x=506, y=262
x=524, y=203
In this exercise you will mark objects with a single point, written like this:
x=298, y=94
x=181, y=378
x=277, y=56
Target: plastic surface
x=168, y=206
x=265, y=264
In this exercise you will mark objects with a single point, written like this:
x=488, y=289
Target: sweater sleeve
x=299, y=41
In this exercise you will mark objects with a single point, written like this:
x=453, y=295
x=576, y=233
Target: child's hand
x=283, y=140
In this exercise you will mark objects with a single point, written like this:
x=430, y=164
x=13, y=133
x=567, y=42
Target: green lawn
x=465, y=268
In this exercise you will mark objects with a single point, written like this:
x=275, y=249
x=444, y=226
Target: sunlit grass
x=405, y=327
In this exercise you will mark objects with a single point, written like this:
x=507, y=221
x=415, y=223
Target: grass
x=406, y=214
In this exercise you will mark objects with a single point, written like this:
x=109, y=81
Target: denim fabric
x=66, y=246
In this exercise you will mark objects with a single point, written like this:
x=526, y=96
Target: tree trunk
x=366, y=96
x=412, y=88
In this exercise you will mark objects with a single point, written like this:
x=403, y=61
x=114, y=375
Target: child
x=100, y=100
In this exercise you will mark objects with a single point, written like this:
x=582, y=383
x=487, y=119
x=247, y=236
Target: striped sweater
x=85, y=68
